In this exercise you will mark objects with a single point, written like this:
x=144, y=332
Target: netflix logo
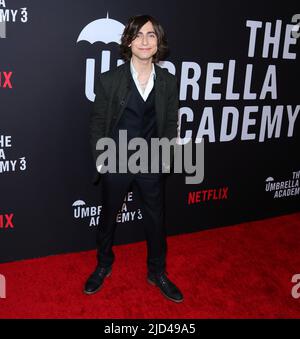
x=6, y=221
x=208, y=195
x=6, y=80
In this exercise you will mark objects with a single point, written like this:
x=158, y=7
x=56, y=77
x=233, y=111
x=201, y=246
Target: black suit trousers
x=150, y=188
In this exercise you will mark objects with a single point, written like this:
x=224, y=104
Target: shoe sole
x=153, y=284
x=99, y=288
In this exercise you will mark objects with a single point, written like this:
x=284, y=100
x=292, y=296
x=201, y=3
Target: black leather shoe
x=167, y=288
x=96, y=279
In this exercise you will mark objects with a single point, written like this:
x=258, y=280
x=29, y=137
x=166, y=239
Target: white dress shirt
x=150, y=82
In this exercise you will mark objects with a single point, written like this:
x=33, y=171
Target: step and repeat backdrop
x=238, y=71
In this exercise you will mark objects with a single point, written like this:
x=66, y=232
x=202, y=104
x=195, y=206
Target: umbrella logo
x=78, y=203
x=104, y=30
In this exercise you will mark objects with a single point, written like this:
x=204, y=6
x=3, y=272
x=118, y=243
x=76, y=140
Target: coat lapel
x=160, y=98
x=124, y=89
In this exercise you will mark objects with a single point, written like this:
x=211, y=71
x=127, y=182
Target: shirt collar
x=135, y=73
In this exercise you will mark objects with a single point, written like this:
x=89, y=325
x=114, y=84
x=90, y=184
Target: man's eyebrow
x=150, y=32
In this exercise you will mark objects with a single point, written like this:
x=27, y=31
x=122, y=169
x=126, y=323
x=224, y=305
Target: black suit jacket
x=112, y=91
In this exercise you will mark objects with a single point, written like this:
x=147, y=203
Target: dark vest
x=138, y=118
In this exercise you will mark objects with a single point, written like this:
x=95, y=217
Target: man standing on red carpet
x=141, y=98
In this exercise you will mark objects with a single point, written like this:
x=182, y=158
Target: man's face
x=144, y=46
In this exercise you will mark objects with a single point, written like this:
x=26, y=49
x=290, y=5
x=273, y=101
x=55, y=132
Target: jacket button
x=122, y=103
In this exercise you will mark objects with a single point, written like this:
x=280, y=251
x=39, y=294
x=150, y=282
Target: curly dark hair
x=131, y=30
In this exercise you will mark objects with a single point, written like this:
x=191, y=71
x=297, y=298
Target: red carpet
x=243, y=271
